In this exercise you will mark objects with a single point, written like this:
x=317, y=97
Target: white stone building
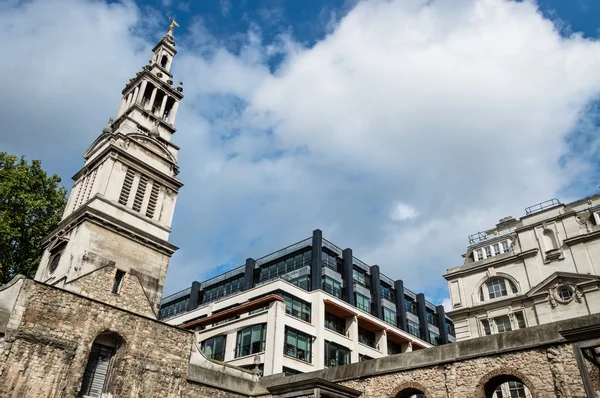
x=539, y=269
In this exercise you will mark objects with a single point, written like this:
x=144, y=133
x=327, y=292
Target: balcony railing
x=542, y=206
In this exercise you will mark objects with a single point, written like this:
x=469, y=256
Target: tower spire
x=112, y=242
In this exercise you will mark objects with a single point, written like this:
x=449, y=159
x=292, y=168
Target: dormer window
x=496, y=288
x=491, y=251
x=479, y=254
x=505, y=246
x=488, y=251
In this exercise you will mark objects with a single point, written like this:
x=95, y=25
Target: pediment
x=98, y=143
x=152, y=145
x=562, y=278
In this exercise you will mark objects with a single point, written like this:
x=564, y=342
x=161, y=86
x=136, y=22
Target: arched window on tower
x=164, y=61
x=107, y=348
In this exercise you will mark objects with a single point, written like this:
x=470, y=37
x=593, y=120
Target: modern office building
x=539, y=269
x=305, y=307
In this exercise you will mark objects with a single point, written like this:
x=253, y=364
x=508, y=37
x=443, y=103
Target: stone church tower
x=112, y=242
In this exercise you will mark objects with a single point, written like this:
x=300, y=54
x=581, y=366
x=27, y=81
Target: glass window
x=393, y=348
x=450, y=328
x=520, y=320
x=302, y=282
x=389, y=316
x=413, y=328
x=496, y=288
x=251, y=340
x=366, y=337
x=282, y=266
x=434, y=338
x=362, y=302
x=290, y=372
x=516, y=389
x=332, y=286
x=496, y=249
x=513, y=287
x=505, y=246
x=565, y=293
x=486, y=327
x=335, y=354
x=502, y=324
x=214, y=348
x=296, y=307
x=479, y=254
x=362, y=357
x=410, y=305
x=431, y=317
x=335, y=323
x=360, y=277
x=298, y=345
x=488, y=251
x=387, y=293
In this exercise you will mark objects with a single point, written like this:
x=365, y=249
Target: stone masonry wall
x=46, y=355
x=99, y=285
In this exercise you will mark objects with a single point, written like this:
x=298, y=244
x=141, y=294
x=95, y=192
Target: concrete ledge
x=224, y=381
x=517, y=340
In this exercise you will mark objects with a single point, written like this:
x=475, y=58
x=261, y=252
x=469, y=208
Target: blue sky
x=396, y=127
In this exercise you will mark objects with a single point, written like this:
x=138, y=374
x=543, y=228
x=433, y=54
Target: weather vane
x=173, y=25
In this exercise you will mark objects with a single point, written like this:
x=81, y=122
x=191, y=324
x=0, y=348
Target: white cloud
x=460, y=108
x=402, y=212
x=447, y=303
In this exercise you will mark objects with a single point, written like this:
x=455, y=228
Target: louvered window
x=153, y=199
x=94, y=378
x=139, y=194
x=126, y=189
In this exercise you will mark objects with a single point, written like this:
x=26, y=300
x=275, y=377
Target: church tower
x=112, y=242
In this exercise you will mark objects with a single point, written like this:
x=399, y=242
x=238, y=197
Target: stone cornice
x=86, y=213
x=488, y=305
x=567, y=214
x=582, y=238
x=468, y=269
x=125, y=115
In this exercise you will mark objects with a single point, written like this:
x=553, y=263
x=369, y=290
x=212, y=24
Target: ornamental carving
x=564, y=293
x=583, y=217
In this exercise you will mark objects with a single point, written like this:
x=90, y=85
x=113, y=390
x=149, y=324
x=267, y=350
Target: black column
x=423, y=325
x=316, y=266
x=347, y=275
x=400, y=308
x=376, y=291
x=194, y=296
x=249, y=274
x=441, y=316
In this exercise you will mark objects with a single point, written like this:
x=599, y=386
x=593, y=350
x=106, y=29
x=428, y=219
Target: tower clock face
x=54, y=263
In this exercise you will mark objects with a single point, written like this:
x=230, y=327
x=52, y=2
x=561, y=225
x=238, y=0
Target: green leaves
x=31, y=205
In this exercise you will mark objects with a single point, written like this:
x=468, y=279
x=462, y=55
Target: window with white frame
x=496, y=248
x=488, y=251
x=479, y=254
x=496, y=288
x=520, y=318
x=491, y=251
x=505, y=246
x=502, y=324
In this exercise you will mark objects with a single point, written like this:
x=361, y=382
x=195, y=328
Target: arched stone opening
x=105, y=353
x=410, y=390
x=163, y=61
x=505, y=383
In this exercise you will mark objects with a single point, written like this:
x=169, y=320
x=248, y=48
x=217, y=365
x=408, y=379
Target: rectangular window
x=393, y=348
x=362, y=302
x=336, y=355
x=261, y=309
x=331, y=261
x=505, y=246
x=434, y=338
x=362, y=357
x=497, y=288
x=413, y=328
x=387, y=293
x=366, y=337
x=520, y=320
x=502, y=324
x=298, y=345
x=214, y=348
x=296, y=307
x=389, y=316
x=488, y=251
x=284, y=265
x=335, y=323
x=479, y=254
x=431, y=317
x=290, y=372
x=360, y=277
x=410, y=305
x=332, y=286
x=251, y=340
x=118, y=281
x=496, y=249
x=302, y=282
x=450, y=328
x=487, y=330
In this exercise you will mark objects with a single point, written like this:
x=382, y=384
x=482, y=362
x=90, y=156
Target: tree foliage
x=31, y=205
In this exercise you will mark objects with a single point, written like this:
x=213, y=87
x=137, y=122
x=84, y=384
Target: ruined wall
x=46, y=355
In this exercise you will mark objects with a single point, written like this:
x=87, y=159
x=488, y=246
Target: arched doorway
x=105, y=351
x=410, y=393
x=506, y=386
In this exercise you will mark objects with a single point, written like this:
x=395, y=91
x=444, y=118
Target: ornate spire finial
x=172, y=27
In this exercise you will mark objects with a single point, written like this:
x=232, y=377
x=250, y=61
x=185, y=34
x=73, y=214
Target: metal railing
x=542, y=206
x=477, y=237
